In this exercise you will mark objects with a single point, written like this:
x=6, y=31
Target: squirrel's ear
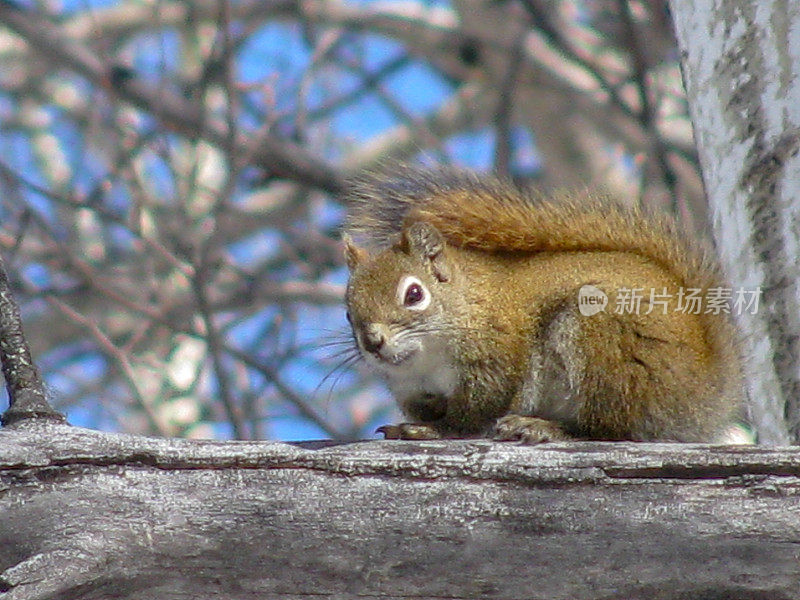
x=424, y=239
x=353, y=255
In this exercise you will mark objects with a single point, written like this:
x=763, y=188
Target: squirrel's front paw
x=528, y=430
x=408, y=431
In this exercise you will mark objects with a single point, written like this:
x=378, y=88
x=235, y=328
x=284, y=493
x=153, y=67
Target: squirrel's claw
x=528, y=430
x=408, y=431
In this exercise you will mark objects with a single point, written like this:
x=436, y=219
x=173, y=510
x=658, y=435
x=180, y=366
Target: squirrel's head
x=394, y=297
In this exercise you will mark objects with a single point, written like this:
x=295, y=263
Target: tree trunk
x=95, y=515
x=740, y=65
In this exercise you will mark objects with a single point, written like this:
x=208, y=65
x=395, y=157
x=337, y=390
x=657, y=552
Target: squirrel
x=465, y=294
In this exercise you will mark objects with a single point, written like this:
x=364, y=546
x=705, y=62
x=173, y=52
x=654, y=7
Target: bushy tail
x=486, y=214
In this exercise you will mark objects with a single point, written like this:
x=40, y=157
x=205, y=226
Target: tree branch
x=151, y=518
x=23, y=381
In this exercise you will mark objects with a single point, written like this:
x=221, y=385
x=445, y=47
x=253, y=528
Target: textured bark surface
x=95, y=515
x=740, y=68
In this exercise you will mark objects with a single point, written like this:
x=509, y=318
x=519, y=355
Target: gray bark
x=740, y=64
x=86, y=515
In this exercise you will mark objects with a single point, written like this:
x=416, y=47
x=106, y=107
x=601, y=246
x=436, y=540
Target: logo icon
x=591, y=300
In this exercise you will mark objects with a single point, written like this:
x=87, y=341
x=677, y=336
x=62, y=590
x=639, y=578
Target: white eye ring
x=412, y=294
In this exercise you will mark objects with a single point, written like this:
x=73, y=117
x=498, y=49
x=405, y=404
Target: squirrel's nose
x=373, y=340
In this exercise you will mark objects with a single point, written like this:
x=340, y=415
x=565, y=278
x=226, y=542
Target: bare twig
x=502, y=153
x=647, y=113
x=215, y=349
x=23, y=381
x=118, y=357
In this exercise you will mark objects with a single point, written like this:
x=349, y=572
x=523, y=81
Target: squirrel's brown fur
x=517, y=347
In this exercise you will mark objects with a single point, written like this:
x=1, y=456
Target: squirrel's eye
x=412, y=294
